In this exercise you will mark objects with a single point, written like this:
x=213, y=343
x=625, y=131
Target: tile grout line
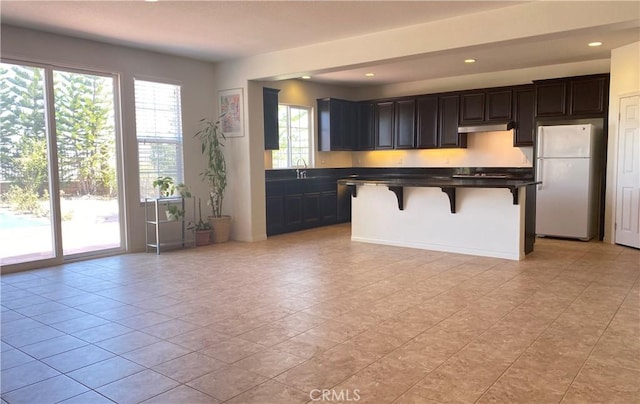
x=596, y=343
x=537, y=337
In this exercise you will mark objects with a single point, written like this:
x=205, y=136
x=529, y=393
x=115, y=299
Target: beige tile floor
x=279, y=321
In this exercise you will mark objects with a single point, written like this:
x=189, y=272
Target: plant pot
x=202, y=237
x=221, y=228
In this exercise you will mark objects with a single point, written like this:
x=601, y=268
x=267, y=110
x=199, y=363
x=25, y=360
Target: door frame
x=615, y=167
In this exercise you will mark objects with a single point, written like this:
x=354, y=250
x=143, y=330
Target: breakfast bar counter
x=461, y=214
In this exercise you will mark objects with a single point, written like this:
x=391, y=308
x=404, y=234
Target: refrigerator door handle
x=539, y=146
x=539, y=173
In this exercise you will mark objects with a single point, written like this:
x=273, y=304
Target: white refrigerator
x=567, y=198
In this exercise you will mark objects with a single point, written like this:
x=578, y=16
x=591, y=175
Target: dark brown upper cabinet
x=498, y=105
x=524, y=115
x=405, y=124
x=485, y=106
x=472, y=107
x=448, y=114
x=551, y=99
x=427, y=122
x=395, y=124
x=337, y=124
x=384, y=125
x=366, y=126
x=588, y=95
x=576, y=97
x=270, y=109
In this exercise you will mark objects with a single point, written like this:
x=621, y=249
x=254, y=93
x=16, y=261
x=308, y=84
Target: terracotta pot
x=202, y=237
x=221, y=228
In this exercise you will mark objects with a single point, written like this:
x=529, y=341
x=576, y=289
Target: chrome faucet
x=301, y=174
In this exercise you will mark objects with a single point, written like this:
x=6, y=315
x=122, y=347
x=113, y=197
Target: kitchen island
x=483, y=215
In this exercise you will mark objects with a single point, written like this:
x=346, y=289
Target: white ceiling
x=223, y=30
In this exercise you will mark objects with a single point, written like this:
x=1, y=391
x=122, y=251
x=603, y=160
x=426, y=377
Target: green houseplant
x=202, y=229
x=167, y=188
x=215, y=174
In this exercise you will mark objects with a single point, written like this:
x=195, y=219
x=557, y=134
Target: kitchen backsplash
x=485, y=149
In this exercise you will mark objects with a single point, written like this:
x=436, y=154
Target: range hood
x=491, y=127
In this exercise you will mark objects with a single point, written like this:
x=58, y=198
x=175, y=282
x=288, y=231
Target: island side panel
x=487, y=223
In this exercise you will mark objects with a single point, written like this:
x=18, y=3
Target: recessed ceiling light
x=151, y=1
x=306, y=77
x=594, y=44
x=369, y=74
x=469, y=60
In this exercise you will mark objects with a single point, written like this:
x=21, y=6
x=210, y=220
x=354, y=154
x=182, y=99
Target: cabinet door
x=498, y=106
x=293, y=212
x=365, y=127
x=472, y=108
x=449, y=110
x=349, y=127
x=587, y=96
x=405, y=124
x=271, y=130
x=523, y=112
x=338, y=124
x=275, y=215
x=427, y=122
x=311, y=213
x=551, y=99
x=329, y=207
x=324, y=124
x=384, y=125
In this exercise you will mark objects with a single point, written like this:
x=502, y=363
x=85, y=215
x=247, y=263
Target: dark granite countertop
x=437, y=181
x=397, y=172
x=447, y=183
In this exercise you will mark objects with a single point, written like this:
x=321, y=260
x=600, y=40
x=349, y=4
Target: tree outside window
x=294, y=123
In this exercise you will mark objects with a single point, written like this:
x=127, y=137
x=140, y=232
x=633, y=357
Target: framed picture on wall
x=231, y=115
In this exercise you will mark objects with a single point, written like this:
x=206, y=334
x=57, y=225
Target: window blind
x=159, y=133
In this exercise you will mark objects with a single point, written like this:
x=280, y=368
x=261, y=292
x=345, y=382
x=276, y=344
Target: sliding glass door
x=59, y=177
x=26, y=227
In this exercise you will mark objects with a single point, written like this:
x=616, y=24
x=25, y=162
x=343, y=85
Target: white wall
x=198, y=97
x=519, y=21
x=484, y=80
x=625, y=80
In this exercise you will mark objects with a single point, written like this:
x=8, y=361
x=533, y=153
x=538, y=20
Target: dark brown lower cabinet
x=275, y=215
x=311, y=212
x=293, y=205
x=293, y=211
x=329, y=206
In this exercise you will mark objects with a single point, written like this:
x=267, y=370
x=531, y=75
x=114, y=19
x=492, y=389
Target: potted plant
x=167, y=188
x=202, y=229
x=215, y=174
